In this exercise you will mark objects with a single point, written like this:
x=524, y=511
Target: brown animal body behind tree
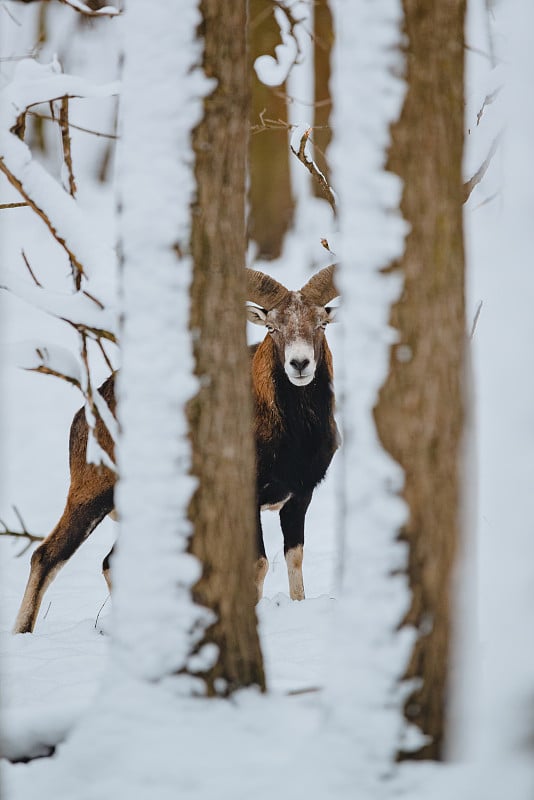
x=295, y=433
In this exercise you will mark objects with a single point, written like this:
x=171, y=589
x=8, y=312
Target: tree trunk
x=270, y=200
x=222, y=508
x=420, y=410
x=322, y=51
x=154, y=616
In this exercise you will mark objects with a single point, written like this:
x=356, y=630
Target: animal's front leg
x=292, y=518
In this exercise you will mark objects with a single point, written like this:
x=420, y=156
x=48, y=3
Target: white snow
x=274, y=71
x=155, y=622
x=331, y=719
x=372, y=658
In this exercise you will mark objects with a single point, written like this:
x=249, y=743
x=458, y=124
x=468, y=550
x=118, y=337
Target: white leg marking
x=107, y=577
x=31, y=602
x=276, y=506
x=294, y=572
x=262, y=566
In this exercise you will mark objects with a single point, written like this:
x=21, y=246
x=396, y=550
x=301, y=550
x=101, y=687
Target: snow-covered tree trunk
x=369, y=653
x=223, y=507
x=156, y=623
x=420, y=412
x=163, y=185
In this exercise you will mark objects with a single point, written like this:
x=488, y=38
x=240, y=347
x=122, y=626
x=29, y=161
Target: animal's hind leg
x=292, y=518
x=262, y=564
x=76, y=524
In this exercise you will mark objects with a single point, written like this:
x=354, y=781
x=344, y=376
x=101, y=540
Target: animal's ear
x=256, y=315
x=332, y=313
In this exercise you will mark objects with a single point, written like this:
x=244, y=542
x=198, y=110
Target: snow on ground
x=280, y=745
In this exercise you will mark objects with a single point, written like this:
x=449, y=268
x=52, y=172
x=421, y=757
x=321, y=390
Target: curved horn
x=321, y=288
x=264, y=290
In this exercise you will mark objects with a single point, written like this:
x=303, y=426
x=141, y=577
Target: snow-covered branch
x=85, y=9
x=305, y=158
x=33, y=84
x=81, y=310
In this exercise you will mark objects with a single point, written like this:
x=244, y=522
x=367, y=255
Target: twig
x=487, y=200
x=76, y=127
x=14, y=181
x=290, y=99
x=488, y=100
x=22, y=534
x=101, y=609
x=475, y=320
x=326, y=246
x=104, y=354
x=13, y=205
x=67, y=158
x=95, y=300
x=92, y=333
x=314, y=170
x=30, y=270
x=267, y=124
x=84, y=9
x=65, y=140
x=89, y=395
x=48, y=609
x=15, y=20
x=481, y=171
x=44, y=370
x=477, y=50
x=308, y=690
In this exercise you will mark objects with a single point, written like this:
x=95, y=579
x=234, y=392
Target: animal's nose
x=299, y=365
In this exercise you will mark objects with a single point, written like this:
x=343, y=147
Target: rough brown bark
x=322, y=51
x=420, y=410
x=223, y=507
x=271, y=203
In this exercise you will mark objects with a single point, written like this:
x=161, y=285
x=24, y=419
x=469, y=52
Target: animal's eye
x=322, y=325
x=270, y=328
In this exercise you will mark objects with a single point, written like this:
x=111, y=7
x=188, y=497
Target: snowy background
x=285, y=744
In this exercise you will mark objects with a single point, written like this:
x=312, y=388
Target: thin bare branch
x=12, y=205
x=76, y=127
x=89, y=396
x=267, y=124
x=14, y=181
x=65, y=140
x=101, y=609
x=20, y=534
x=93, y=333
x=95, y=300
x=324, y=243
x=487, y=200
x=104, y=354
x=475, y=320
x=481, y=171
x=488, y=100
x=84, y=9
x=55, y=373
x=314, y=170
x=30, y=270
